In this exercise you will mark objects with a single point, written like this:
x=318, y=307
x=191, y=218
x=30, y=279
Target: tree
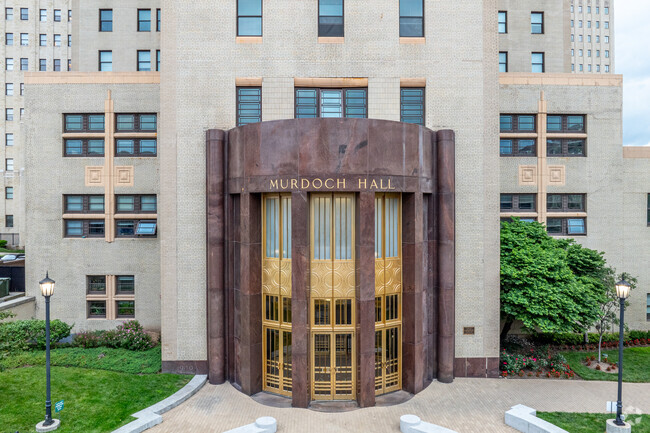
x=609, y=308
x=550, y=285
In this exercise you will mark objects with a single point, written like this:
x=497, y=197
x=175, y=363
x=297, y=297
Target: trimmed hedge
x=129, y=335
x=25, y=334
x=568, y=339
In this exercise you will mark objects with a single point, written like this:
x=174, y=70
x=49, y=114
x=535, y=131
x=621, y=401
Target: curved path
x=466, y=405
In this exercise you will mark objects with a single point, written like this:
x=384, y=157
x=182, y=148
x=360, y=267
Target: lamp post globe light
x=49, y=424
x=622, y=291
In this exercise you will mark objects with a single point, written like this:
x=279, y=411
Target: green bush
x=568, y=339
x=3, y=243
x=129, y=335
x=25, y=334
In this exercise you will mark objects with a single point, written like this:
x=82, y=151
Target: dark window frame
x=89, y=308
x=342, y=24
x=505, y=23
x=135, y=223
x=117, y=308
x=142, y=22
x=515, y=200
x=101, y=63
x=57, y=17
x=239, y=104
x=319, y=91
x=564, y=143
x=119, y=290
x=137, y=148
x=543, y=62
x=9, y=221
x=564, y=125
x=564, y=226
x=85, y=148
x=103, y=21
x=516, y=122
x=9, y=192
x=140, y=63
x=505, y=63
x=239, y=16
x=158, y=19
x=421, y=18
x=516, y=148
x=24, y=14
x=85, y=228
x=565, y=202
x=137, y=204
x=532, y=24
x=137, y=122
x=85, y=123
x=85, y=204
x=90, y=289
x=404, y=112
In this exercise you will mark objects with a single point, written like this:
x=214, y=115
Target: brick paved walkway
x=467, y=406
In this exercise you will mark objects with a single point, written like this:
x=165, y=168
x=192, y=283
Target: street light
x=49, y=424
x=622, y=291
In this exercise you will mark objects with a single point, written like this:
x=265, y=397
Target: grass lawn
x=592, y=422
x=95, y=400
x=635, y=364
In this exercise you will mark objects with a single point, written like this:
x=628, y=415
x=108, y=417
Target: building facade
x=315, y=213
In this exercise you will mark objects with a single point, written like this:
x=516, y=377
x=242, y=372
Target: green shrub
x=89, y=339
x=25, y=334
x=129, y=335
x=3, y=243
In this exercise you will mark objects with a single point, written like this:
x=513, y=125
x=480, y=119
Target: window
x=9, y=139
x=331, y=103
x=132, y=228
x=537, y=60
x=597, y=68
x=9, y=114
x=537, y=23
x=96, y=284
x=43, y=14
x=9, y=38
x=503, y=61
x=581, y=67
x=588, y=53
x=589, y=38
x=83, y=204
x=135, y=147
x=607, y=54
x=106, y=20
x=597, y=24
x=565, y=123
x=647, y=302
x=606, y=24
x=648, y=209
x=517, y=147
x=125, y=284
x=580, y=23
x=249, y=17
x=136, y=122
x=98, y=297
x=565, y=147
x=503, y=22
x=518, y=202
x=588, y=9
x=84, y=228
x=9, y=64
x=22, y=89
x=24, y=64
x=105, y=60
x=9, y=14
x=588, y=24
x=144, y=60
x=69, y=40
x=96, y=309
x=42, y=65
x=606, y=9
x=517, y=123
x=580, y=38
x=158, y=20
x=42, y=40
x=136, y=204
x=606, y=68
x=411, y=18
x=9, y=89
x=157, y=60
x=83, y=147
x=9, y=220
x=565, y=203
x=589, y=68
x=9, y=192
x=606, y=39
x=249, y=105
x=22, y=113
x=57, y=15
x=330, y=18
x=412, y=105
x=144, y=20
x=69, y=14
x=83, y=122
x=9, y=164
x=69, y=65
x=566, y=226
x=24, y=14
x=24, y=39
x=57, y=40
x=597, y=53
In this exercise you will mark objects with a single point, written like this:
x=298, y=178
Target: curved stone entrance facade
x=381, y=342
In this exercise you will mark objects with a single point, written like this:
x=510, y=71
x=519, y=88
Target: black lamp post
x=47, y=289
x=622, y=291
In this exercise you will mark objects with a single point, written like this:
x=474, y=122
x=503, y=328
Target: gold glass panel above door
x=388, y=293
x=332, y=295
x=276, y=293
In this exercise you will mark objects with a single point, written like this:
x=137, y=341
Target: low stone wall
x=524, y=419
x=24, y=307
x=413, y=424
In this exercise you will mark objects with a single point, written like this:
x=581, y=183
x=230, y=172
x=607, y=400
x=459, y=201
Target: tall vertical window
x=24, y=39
x=537, y=62
x=503, y=61
x=249, y=105
x=537, y=23
x=105, y=60
x=9, y=64
x=42, y=65
x=24, y=14
x=24, y=64
x=331, y=103
x=43, y=15
x=57, y=40
x=144, y=20
x=412, y=105
x=9, y=192
x=157, y=60
x=57, y=15
x=42, y=40
x=9, y=89
x=330, y=18
x=648, y=203
x=57, y=64
x=69, y=40
x=9, y=14
x=9, y=164
x=9, y=38
x=9, y=114
x=158, y=20
x=503, y=22
x=411, y=18
x=144, y=60
x=249, y=17
x=106, y=20
x=9, y=221
x=9, y=139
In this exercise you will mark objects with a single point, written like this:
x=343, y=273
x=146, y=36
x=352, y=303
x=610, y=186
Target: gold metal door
x=332, y=297
x=276, y=293
x=388, y=293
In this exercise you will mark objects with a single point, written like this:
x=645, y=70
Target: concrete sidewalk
x=466, y=405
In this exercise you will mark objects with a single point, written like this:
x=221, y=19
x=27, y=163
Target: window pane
x=392, y=227
x=272, y=227
x=554, y=123
x=148, y=122
x=73, y=122
x=74, y=203
x=74, y=228
x=356, y=103
x=125, y=122
x=96, y=228
x=411, y=27
x=379, y=213
x=306, y=103
x=330, y=26
x=322, y=226
x=286, y=227
x=554, y=225
x=410, y=8
x=526, y=147
x=506, y=123
x=576, y=147
x=96, y=203
x=249, y=105
x=330, y=7
x=576, y=123
x=412, y=106
x=554, y=147
x=148, y=203
x=97, y=309
x=125, y=283
x=576, y=202
x=125, y=228
x=148, y=147
x=73, y=147
x=146, y=228
x=249, y=26
x=125, y=308
x=249, y=7
x=527, y=202
x=526, y=123
x=95, y=147
x=124, y=147
x=506, y=202
x=554, y=202
x=97, y=283
x=96, y=122
x=343, y=228
x=125, y=203
x=331, y=103
x=576, y=226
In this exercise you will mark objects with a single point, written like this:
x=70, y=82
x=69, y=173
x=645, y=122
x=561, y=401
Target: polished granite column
x=365, y=276
x=248, y=302
x=215, y=256
x=446, y=255
x=300, y=299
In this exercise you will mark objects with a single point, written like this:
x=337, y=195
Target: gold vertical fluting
x=109, y=162
x=542, y=166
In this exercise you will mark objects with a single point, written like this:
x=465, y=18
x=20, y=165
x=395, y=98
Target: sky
x=632, y=39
